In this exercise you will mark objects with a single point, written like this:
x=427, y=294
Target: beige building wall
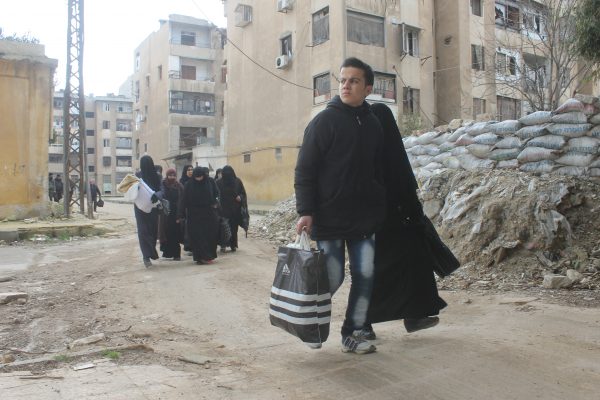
x=26, y=109
x=268, y=108
x=170, y=62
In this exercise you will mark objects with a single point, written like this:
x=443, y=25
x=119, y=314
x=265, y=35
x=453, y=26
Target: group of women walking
x=196, y=205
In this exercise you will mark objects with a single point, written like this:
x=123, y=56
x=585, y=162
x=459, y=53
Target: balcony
x=189, y=85
x=200, y=53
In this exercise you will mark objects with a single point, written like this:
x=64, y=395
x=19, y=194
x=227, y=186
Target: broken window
x=410, y=101
x=507, y=15
x=477, y=58
x=320, y=27
x=365, y=29
x=190, y=136
x=534, y=76
x=322, y=88
x=506, y=64
x=409, y=40
x=385, y=86
x=507, y=108
x=188, y=38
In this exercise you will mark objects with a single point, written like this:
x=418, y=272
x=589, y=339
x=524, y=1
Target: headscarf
x=228, y=176
x=399, y=177
x=184, y=178
x=148, y=173
x=199, y=193
x=167, y=182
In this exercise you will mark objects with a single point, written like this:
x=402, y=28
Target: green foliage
x=113, y=355
x=62, y=358
x=587, y=31
x=410, y=123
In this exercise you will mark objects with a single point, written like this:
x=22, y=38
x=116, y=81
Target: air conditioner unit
x=282, y=61
x=285, y=5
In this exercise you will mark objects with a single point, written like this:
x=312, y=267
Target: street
x=206, y=334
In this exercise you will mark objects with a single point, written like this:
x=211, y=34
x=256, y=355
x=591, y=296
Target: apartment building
x=109, y=143
x=434, y=61
x=178, y=94
x=299, y=46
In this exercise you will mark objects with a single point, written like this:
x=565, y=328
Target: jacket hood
x=337, y=103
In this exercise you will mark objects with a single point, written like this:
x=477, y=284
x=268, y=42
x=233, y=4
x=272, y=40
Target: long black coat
x=404, y=283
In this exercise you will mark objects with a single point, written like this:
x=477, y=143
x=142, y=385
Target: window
x=506, y=64
x=224, y=72
x=137, y=149
x=124, y=108
x=247, y=157
x=508, y=16
x=385, y=86
x=58, y=104
x=124, y=125
x=106, y=162
x=91, y=168
x=105, y=124
x=322, y=88
x=188, y=72
x=532, y=21
x=478, y=107
x=320, y=26
x=365, y=29
x=477, y=57
x=188, y=38
x=410, y=101
x=242, y=15
x=190, y=136
x=106, y=106
x=123, y=143
x=409, y=40
x=148, y=80
x=192, y=103
x=89, y=114
x=507, y=108
x=58, y=122
x=286, y=46
x=119, y=176
x=534, y=72
x=476, y=8
x=123, y=161
x=145, y=147
x=137, y=61
x=136, y=91
x=55, y=158
x=278, y=154
x=91, y=150
x=89, y=132
x=159, y=70
x=106, y=182
x=106, y=142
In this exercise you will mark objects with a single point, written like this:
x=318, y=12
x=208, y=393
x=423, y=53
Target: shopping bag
x=100, y=203
x=224, y=232
x=300, y=300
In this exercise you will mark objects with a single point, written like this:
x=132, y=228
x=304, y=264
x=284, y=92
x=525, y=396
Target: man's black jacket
x=339, y=177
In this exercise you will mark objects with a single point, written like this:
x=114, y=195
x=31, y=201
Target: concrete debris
x=87, y=340
x=6, y=298
x=552, y=281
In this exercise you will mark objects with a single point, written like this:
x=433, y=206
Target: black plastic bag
x=100, y=203
x=300, y=300
x=224, y=232
x=245, y=219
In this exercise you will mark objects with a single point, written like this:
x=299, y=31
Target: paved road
x=486, y=347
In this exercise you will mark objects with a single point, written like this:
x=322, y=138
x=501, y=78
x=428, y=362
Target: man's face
x=353, y=87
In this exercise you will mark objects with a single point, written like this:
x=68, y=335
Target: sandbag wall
x=565, y=141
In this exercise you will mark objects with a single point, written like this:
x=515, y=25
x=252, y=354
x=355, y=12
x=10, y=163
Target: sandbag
x=471, y=163
x=432, y=165
x=569, y=106
x=441, y=157
x=427, y=137
x=575, y=159
x=457, y=151
x=594, y=132
x=479, y=150
x=587, y=145
x=589, y=109
x=595, y=172
x=508, y=164
x=571, y=171
x=509, y=142
x=595, y=163
x=451, y=162
x=555, y=142
x=577, y=117
x=533, y=154
x=448, y=146
x=464, y=140
x=595, y=119
x=409, y=142
x=478, y=128
x=508, y=127
x=424, y=160
x=417, y=150
x=538, y=167
x=568, y=130
x=456, y=134
x=528, y=132
x=443, y=138
x=504, y=154
x=414, y=162
x=486, y=138
x=536, y=118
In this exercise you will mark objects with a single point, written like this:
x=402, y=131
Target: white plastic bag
x=302, y=242
x=132, y=192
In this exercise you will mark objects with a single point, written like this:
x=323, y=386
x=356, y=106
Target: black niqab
x=148, y=173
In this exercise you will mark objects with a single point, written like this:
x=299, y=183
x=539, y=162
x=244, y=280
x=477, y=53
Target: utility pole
x=74, y=148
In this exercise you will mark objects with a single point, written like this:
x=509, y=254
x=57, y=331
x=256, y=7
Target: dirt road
x=216, y=318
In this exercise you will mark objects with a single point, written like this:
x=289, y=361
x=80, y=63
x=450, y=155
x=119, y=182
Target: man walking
x=340, y=195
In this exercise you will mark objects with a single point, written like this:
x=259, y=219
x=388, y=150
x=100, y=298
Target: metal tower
x=74, y=149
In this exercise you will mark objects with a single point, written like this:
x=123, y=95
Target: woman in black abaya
x=404, y=286
x=199, y=208
x=147, y=223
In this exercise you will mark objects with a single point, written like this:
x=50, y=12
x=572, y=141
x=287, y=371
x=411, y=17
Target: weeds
x=113, y=355
x=62, y=358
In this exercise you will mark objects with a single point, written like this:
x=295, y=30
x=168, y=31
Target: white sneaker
x=357, y=345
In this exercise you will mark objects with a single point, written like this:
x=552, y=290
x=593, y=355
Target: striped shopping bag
x=300, y=300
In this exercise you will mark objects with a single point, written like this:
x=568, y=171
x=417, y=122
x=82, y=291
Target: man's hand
x=304, y=223
x=238, y=199
x=154, y=198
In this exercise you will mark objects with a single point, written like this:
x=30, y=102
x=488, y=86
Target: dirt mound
x=508, y=228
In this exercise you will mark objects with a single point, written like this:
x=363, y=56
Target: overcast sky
x=113, y=29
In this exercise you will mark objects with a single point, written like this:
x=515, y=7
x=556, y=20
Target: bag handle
x=302, y=242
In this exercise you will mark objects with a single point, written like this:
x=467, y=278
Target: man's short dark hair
x=356, y=63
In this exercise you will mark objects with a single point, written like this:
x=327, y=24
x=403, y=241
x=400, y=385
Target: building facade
x=109, y=143
x=25, y=111
x=178, y=94
x=434, y=61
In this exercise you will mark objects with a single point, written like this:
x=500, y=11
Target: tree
x=587, y=33
x=534, y=53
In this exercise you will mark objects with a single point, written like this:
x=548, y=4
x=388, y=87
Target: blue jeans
x=362, y=255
